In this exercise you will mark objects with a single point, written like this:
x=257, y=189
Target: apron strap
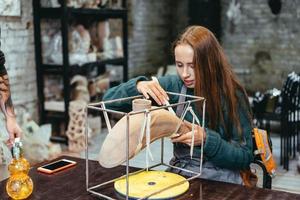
x=180, y=108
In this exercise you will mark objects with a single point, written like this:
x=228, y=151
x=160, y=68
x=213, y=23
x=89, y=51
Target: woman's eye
x=179, y=65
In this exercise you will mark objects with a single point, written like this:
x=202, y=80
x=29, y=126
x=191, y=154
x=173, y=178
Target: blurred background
x=63, y=54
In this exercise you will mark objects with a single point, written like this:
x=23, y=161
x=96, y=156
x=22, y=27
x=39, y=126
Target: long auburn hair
x=214, y=77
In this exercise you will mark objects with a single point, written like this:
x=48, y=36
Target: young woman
x=203, y=70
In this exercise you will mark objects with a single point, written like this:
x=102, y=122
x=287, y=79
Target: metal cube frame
x=100, y=106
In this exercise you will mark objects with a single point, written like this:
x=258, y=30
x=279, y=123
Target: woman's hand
x=153, y=89
x=13, y=130
x=187, y=137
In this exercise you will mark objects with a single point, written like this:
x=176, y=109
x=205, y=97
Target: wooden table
x=70, y=185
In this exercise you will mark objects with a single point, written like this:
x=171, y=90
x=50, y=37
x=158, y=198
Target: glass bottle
x=19, y=184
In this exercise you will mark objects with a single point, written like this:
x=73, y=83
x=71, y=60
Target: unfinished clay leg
x=113, y=151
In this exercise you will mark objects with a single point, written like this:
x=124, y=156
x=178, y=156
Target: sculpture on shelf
x=99, y=31
x=79, y=88
x=115, y=4
x=52, y=47
x=98, y=86
x=91, y=3
x=76, y=3
x=109, y=46
x=79, y=47
x=50, y=3
x=112, y=47
x=73, y=3
x=80, y=40
x=53, y=88
x=86, y=3
x=76, y=127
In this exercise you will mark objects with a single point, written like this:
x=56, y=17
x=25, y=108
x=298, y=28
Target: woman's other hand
x=187, y=137
x=154, y=90
x=13, y=130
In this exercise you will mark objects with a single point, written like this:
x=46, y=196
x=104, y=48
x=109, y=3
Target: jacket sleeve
x=168, y=83
x=121, y=91
x=235, y=154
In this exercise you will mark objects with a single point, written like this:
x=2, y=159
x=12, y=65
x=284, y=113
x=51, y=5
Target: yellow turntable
x=147, y=182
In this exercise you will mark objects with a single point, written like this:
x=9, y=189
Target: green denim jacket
x=233, y=154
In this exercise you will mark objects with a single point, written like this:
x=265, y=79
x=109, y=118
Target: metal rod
x=86, y=149
x=202, y=142
x=186, y=95
x=116, y=179
x=106, y=118
x=127, y=156
x=162, y=151
x=107, y=110
x=116, y=100
x=138, y=112
x=121, y=177
x=162, y=107
x=182, y=117
x=125, y=43
x=139, y=96
x=101, y=195
x=182, y=169
x=153, y=166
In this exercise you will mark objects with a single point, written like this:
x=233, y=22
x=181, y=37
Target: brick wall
x=149, y=39
x=17, y=42
x=178, y=23
x=263, y=47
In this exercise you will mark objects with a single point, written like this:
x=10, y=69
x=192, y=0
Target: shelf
x=57, y=69
x=54, y=115
x=51, y=13
x=55, y=106
x=52, y=68
x=59, y=139
x=109, y=13
x=56, y=13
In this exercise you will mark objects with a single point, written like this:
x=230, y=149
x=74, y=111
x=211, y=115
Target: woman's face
x=184, y=55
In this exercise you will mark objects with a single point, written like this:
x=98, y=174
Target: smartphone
x=56, y=166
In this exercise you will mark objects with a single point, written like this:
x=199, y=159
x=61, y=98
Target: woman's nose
x=185, y=72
